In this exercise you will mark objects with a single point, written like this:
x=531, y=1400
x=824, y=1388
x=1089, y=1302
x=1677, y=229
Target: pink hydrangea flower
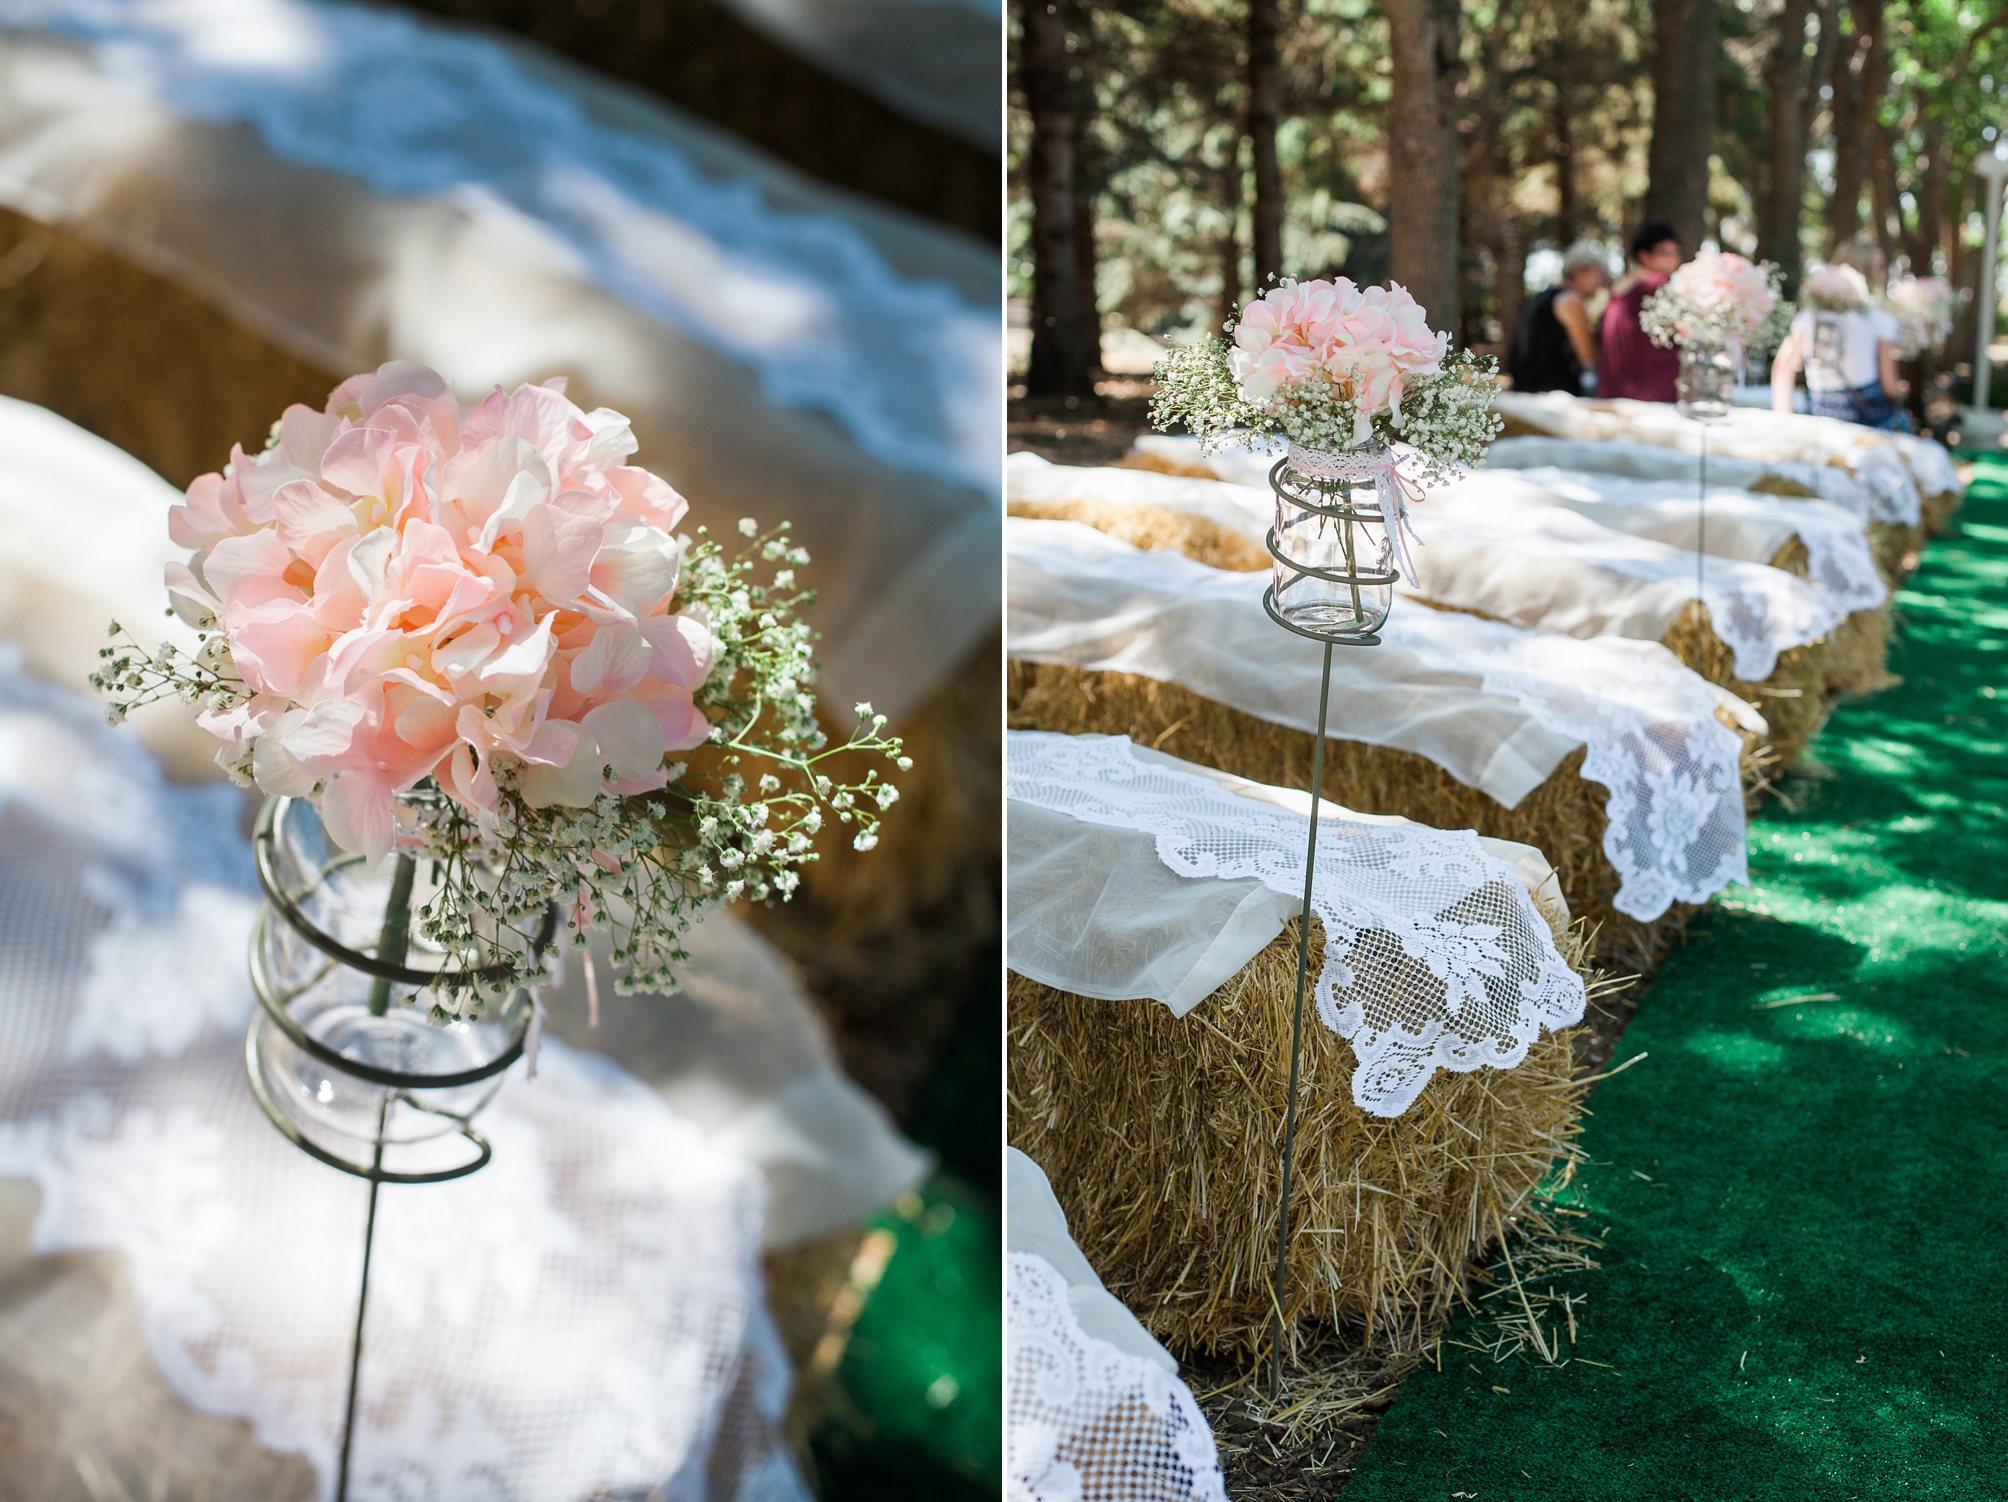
x=1723, y=290
x=409, y=589
x=1364, y=344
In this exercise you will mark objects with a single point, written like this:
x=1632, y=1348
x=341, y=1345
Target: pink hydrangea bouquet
x=1717, y=298
x=1923, y=306
x=1834, y=289
x=1332, y=365
x=478, y=636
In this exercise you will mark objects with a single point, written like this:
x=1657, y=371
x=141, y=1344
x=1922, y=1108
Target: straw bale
x=1797, y=690
x=134, y=358
x=1155, y=529
x=1939, y=510
x=1163, y=465
x=1563, y=818
x=1162, y=1137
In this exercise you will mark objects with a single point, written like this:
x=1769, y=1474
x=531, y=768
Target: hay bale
x=133, y=358
x=1939, y=511
x=1563, y=818
x=1155, y=529
x=1797, y=692
x=1162, y=1136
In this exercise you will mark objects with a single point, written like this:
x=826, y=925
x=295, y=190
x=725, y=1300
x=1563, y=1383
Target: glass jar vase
x=351, y=1052
x=1705, y=389
x=1334, y=572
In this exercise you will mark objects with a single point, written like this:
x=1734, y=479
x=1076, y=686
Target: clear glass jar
x=1709, y=375
x=343, y=1052
x=1334, y=572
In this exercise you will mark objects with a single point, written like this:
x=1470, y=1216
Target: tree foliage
x=1555, y=108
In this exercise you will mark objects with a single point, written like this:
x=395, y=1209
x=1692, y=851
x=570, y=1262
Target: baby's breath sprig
x=1446, y=418
x=137, y=677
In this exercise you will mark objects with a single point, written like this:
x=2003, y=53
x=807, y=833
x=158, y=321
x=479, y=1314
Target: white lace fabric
x=582, y=1319
x=1435, y=956
x=1085, y=1421
x=1495, y=705
x=1890, y=471
x=1558, y=571
x=1540, y=558
x=353, y=183
x=415, y=108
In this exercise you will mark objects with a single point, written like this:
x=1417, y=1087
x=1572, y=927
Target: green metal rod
x=1297, y=1020
x=395, y=939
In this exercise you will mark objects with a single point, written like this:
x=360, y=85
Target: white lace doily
x=582, y=1319
x=1435, y=956
x=1497, y=706
x=1553, y=558
x=1086, y=1422
x=1645, y=461
x=1556, y=570
x=1872, y=458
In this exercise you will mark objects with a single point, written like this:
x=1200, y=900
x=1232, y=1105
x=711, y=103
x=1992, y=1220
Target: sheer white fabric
x=1435, y=955
x=1541, y=566
x=1884, y=467
x=356, y=184
x=1733, y=524
x=1035, y=1223
x=1641, y=461
x=583, y=1318
x=1085, y=1421
x=1556, y=570
x=1094, y=911
x=1496, y=706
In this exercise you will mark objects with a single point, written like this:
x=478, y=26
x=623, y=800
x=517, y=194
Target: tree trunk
x=1785, y=164
x=1063, y=354
x=1566, y=211
x=1089, y=177
x=1844, y=209
x=1230, y=240
x=1422, y=153
x=1878, y=149
x=1683, y=116
x=1264, y=108
x=1931, y=194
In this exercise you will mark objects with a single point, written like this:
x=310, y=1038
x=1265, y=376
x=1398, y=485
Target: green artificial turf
x=1804, y=1291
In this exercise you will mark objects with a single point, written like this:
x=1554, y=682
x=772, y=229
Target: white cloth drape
x=1436, y=955
x=354, y=184
x=1496, y=706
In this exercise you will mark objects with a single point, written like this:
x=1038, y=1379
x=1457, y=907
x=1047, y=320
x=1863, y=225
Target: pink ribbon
x=1365, y=466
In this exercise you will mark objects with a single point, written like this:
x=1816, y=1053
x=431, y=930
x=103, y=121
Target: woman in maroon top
x=1633, y=365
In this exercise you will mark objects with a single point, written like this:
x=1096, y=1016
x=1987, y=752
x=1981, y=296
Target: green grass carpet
x=1804, y=1292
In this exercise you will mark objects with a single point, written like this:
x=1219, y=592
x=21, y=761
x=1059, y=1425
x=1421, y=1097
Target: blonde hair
x=1865, y=256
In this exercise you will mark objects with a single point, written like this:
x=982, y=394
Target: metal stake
x=1297, y=1020
x=362, y=1307
x=1701, y=519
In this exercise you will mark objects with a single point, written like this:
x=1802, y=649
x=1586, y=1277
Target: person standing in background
x=1553, y=348
x=1633, y=366
x=1846, y=345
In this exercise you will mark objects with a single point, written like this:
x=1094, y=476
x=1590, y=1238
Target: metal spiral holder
x=1333, y=573
x=341, y=1054
x=1705, y=392
x=1332, y=581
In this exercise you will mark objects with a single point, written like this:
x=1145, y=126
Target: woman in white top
x=1847, y=347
